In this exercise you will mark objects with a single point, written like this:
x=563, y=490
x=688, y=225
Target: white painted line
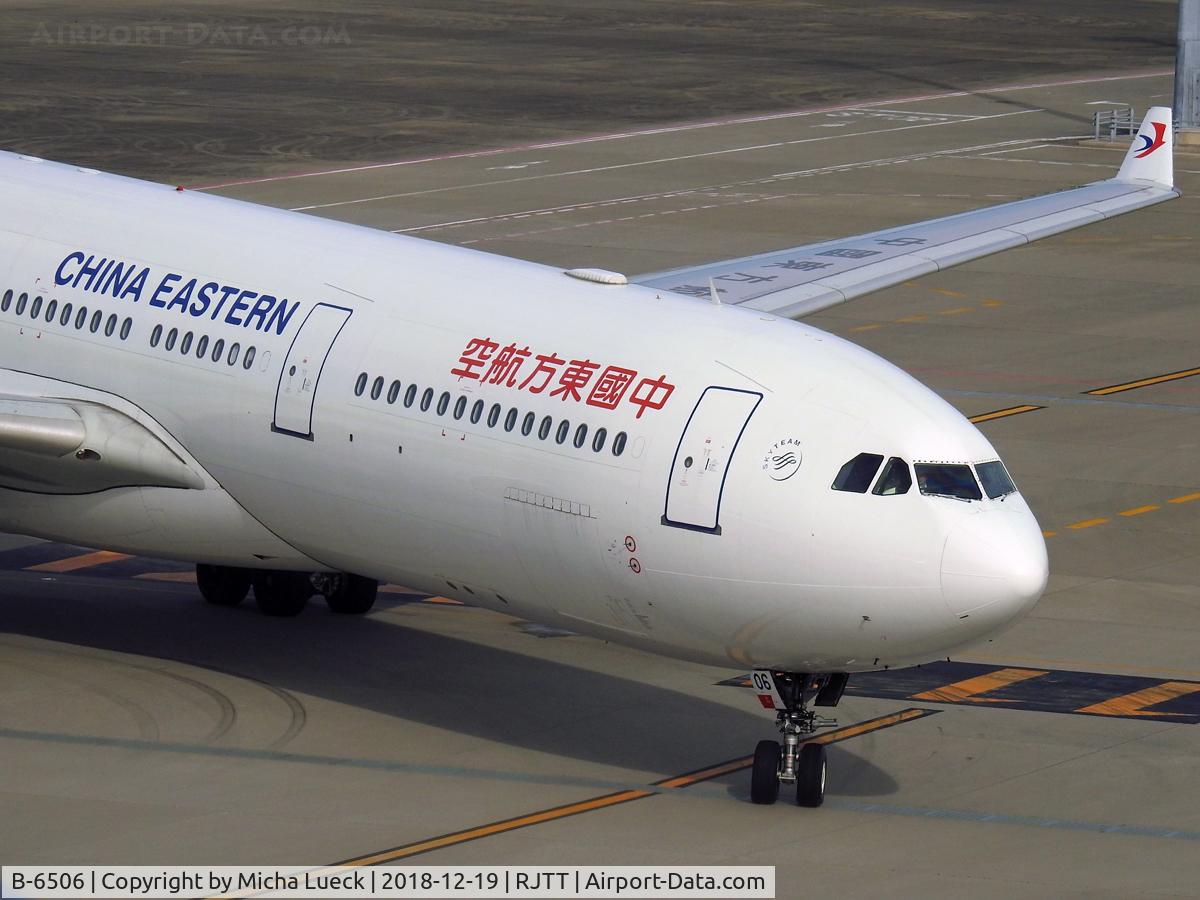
x=1015, y=149
x=909, y=112
x=955, y=152
x=652, y=162
x=743, y=120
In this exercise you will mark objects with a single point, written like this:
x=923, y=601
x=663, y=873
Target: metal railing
x=1109, y=124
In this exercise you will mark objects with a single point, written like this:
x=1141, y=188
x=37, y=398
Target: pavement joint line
x=416, y=848
x=380, y=765
x=605, y=801
x=666, y=785
x=1078, y=400
x=962, y=815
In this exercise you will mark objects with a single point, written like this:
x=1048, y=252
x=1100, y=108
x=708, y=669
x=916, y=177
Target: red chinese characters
x=505, y=365
x=579, y=380
x=478, y=352
x=610, y=387
x=574, y=379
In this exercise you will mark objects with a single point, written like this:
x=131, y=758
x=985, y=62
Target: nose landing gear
x=794, y=762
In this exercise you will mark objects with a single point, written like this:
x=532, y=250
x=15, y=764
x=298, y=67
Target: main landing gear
x=793, y=762
x=285, y=593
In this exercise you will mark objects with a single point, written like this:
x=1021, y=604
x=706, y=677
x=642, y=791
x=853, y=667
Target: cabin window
x=21, y=302
x=35, y=309
x=235, y=350
x=201, y=345
x=185, y=346
x=249, y=359
x=172, y=337
x=81, y=318
x=564, y=431
x=410, y=396
x=580, y=436
x=995, y=479
x=599, y=438
x=126, y=327
x=856, y=475
x=942, y=480
x=97, y=319
x=6, y=302
x=494, y=415
x=51, y=310
x=377, y=387
x=393, y=392
x=460, y=407
x=510, y=421
x=426, y=399
x=219, y=351
x=544, y=428
x=896, y=479
x=618, y=444
x=66, y=317
x=155, y=335
x=527, y=423
x=443, y=403
x=110, y=325
x=477, y=411
x=360, y=384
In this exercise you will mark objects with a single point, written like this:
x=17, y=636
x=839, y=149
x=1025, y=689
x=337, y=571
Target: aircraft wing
x=803, y=280
x=50, y=445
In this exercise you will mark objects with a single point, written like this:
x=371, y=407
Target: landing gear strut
x=794, y=762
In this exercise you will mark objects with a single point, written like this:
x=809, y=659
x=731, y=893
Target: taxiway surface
x=141, y=726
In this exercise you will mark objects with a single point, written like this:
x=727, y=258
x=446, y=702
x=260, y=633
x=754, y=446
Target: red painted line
x=688, y=126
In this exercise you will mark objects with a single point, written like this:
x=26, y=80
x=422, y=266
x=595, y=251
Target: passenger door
x=702, y=458
x=301, y=373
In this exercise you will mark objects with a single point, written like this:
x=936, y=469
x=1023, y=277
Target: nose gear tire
x=810, y=776
x=764, y=776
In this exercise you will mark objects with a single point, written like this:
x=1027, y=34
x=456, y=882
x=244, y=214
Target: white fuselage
x=723, y=560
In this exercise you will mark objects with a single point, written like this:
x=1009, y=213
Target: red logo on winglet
x=1160, y=128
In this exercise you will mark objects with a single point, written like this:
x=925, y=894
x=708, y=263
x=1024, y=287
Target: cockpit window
x=857, y=475
x=995, y=479
x=942, y=480
x=896, y=478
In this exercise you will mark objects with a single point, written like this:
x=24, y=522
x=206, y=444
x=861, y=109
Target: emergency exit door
x=297, y=390
x=702, y=459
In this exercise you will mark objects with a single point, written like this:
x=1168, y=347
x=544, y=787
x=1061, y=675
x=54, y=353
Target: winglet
x=1149, y=159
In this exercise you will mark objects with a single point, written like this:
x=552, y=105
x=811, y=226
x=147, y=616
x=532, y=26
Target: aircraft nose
x=994, y=566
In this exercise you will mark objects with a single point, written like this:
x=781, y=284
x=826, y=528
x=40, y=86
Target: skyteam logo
x=783, y=459
x=1152, y=144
